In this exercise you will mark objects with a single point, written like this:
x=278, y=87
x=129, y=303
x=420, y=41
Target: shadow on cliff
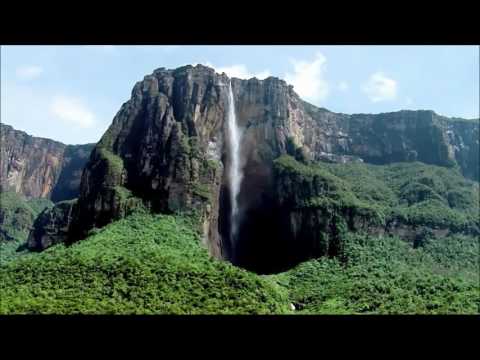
x=264, y=243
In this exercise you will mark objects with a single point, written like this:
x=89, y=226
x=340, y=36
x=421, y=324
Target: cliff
x=317, y=205
x=51, y=226
x=18, y=214
x=166, y=151
x=40, y=168
x=163, y=147
x=67, y=186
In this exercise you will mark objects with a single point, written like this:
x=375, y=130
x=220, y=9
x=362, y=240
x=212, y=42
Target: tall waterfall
x=235, y=172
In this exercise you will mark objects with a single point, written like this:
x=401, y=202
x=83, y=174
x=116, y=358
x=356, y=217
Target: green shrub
x=143, y=264
x=387, y=276
x=415, y=193
x=17, y=215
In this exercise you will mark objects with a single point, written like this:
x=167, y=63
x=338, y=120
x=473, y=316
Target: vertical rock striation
x=165, y=147
x=40, y=168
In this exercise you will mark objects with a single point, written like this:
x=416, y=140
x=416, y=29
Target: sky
x=72, y=93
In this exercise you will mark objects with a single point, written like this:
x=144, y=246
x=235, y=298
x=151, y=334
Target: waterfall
x=235, y=172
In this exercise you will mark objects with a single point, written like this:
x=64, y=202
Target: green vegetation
x=107, y=139
x=436, y=214
x=294, y=150
x=415, y=193
x=143, y=264
x=388, y=276
x=212, y=164
x=317, y=187
x=17, y=215
x=432, y=195
x=38, y=205
x=114, y=162
x=155, y=264
x=202, y=190
x=12, y=249
x=127, y=202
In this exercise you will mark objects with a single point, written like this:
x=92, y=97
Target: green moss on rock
x=202, y=190
x=114, y=163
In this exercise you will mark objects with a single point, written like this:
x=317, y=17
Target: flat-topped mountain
x=315, y=212
x=167, y=150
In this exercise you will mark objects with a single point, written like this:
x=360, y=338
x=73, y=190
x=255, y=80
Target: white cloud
x=379, y=87
x=308, y=78
x=343, y=86
x=72, y=111
x=239, y=71
x=38, y=119
x=29, y=72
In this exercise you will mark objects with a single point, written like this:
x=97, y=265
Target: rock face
x=30, y=166
x=414, y=136
x=166, y=150
x=276, y=122
x=272, y=113
x=68, y=184
x=40, y=168
x=304, y=216
x=163, y=147
x=51, y=226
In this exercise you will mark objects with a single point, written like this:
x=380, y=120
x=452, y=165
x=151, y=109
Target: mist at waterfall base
x=254, y=229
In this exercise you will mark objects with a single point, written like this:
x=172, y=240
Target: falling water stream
x=235, y=172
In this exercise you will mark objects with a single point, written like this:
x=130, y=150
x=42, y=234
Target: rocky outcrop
x=164, y=147
x=40, y=168
x=51, y=226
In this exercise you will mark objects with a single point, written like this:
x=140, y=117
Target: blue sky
x=71, y=93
